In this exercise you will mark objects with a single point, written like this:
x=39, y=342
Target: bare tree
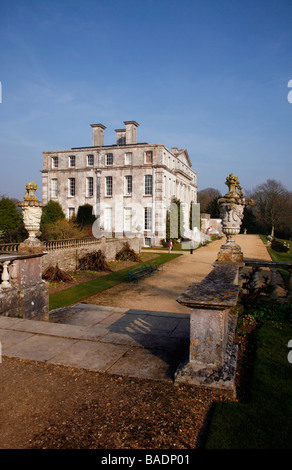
x=207, y=196
x=272, y=205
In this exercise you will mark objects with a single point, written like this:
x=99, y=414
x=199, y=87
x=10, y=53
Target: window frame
x=55, y=162
x=108, y=179
x=148, y=153
x=128, y=219
x=128, y=182
x=92, y=157
x=147, y=218
x=89, y=186
x=109, y=159
x=72, y=158
x=54, y=190
x=70, y=187
x=148, y=188
x=131, y=158
x=71, y=209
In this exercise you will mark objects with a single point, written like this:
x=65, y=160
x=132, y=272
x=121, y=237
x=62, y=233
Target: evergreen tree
x=10, y=219
x=85, y=216
x=52, y=212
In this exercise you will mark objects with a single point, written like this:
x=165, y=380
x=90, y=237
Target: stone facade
x=129, y=184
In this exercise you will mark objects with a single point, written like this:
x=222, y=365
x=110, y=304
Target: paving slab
x=38, y=347
x=90, y=355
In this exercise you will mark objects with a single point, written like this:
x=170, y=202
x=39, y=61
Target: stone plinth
x=212, y=354
x=230, y=254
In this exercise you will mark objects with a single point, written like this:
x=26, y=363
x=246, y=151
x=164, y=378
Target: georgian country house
x=130, y=185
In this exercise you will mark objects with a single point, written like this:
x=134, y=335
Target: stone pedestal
x=213, y=315
x=230, y=253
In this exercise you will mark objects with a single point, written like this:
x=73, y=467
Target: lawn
x=264, y=422
x=280, y=257
x=83, y=290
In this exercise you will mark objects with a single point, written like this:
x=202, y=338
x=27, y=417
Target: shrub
x=127, y=254
x=52, y=212
x=61, y=229
x=94, y=261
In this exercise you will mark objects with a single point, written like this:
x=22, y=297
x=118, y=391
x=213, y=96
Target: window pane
x=55, y=162
x=109, y=186
x=90, y=160
x=148, y=184
x=148, y=218
x=71, y=186
x=148, y=157
x=128, y=158
x=128, y=219
x=128, y=185
x=54, y=188
x=109, y=159
x=71, y=212
x=72, y=161
x=89, y=186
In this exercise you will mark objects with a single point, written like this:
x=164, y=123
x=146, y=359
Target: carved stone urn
x=31, y=212
x=231, y=212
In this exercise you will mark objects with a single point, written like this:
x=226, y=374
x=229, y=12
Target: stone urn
x=31, y=212
x=231, y=212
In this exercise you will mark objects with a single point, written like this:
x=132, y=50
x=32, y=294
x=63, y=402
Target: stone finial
x=30, y=192
x=31, y=213
x=234, y=187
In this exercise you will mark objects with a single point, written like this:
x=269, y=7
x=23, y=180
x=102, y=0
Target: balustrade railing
x=273, y=267
x=8, y=269
x=52, y=244
x=68, y=243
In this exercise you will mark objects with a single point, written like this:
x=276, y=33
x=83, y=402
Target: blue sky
x=210, y=76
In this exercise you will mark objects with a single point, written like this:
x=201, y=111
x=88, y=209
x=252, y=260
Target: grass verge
x=264, y=422
x=81, y=291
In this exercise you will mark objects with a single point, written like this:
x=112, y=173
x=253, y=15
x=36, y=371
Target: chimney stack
x=131, y=132
x=97, y=135
x=121, y=136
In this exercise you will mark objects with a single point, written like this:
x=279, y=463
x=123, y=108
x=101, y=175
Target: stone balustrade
x=273, y=267
x=69, y=243
x=9, y=247
x=23, y=293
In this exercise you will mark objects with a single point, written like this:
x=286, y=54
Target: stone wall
x=67, y=258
